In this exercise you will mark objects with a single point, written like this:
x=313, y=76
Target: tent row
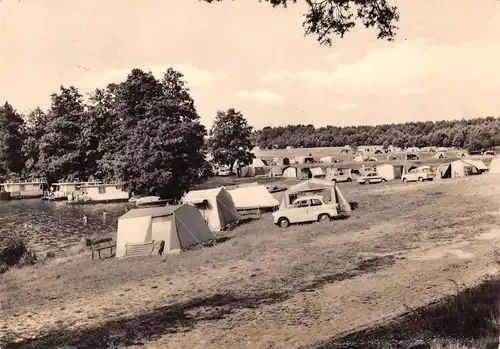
x=202, y=212
x=455, y=169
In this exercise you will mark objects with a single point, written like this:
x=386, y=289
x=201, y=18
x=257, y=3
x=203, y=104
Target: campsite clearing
x=265, y=285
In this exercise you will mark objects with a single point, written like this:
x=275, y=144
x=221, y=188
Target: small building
x=141, y=231
x=24, y=190
x=110, y=192
x=304, y=160
x=215, y=205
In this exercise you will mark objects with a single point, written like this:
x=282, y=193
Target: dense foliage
x=230, y=138
x=473, y=134
x=327, y=18
x=143, y=131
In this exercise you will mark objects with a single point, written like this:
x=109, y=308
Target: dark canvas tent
x=178, y=226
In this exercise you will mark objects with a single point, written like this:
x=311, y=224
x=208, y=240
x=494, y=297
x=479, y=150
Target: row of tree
x=146, y=133
x=473, y=134
x=143, y=131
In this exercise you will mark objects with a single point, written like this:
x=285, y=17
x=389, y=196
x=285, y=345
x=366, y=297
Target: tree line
x=144, y=132
x=473, y=135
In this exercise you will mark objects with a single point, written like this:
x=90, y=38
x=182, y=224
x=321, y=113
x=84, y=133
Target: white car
x=338, y=177
x=306, y=209
x=371, y=177
x=420, y=174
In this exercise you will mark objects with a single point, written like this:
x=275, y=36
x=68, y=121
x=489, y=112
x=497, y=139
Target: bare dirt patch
x=265, y=286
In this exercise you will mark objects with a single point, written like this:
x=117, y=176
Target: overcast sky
x=444, y=64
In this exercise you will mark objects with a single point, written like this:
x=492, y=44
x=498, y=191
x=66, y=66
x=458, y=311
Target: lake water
x=52, y=226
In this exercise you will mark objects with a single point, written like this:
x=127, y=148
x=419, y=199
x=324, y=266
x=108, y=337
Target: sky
x=443, y=65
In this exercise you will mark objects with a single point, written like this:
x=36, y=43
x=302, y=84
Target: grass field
x=366, y=281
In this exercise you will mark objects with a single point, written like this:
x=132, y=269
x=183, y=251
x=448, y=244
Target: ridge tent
x=216, y=206
x=246, y=198
x=495, y=165
x=179, y=226
x=329, y=190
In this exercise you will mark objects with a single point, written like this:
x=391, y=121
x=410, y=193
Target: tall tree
x=230, y=138
x=327, y=18
x=157, y=144
x=61, y=156
x=11, y=141
x=35, y=126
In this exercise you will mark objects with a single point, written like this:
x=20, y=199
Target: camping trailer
x=141, y=230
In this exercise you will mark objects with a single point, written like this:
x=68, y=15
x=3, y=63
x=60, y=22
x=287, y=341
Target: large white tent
x=216, y=206
x=179, y=227
x=245, y=198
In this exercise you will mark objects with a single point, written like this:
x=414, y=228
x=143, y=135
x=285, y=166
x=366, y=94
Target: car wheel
x=383, y=180
x=334, y=180
x=324, y=217
x=368, y=182
x=283, y=222
x=349, y=179
x=420, y=179
x=404, y=180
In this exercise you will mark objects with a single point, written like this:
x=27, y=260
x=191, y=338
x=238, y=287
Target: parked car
x=306, y=209
x=339, y=177
x=419, y=174
x=371, y=177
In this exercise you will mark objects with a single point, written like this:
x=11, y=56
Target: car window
x=316, y=202
x=301, y=203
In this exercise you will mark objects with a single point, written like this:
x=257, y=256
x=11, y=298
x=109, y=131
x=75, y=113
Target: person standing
x=104, y=215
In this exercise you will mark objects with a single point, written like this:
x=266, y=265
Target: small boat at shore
x=151, y=201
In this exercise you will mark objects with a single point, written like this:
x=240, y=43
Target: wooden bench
x=99, y=245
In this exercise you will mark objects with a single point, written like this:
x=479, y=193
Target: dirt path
x=291, y=287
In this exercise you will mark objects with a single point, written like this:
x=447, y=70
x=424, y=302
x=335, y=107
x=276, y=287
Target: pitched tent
x=256, y=162
x=179, y=226
x=439, y=155
x=246, y=198
x=462, y=168
x=290, y=172
x=412, y=156
x=327, y=160
x=329, y=190
x=481, y=166
x=216, y=206
x=389, y=172
x=391, y=157
x=317, y=172
x=275, y=171
x=443, y=171
x=495, y=165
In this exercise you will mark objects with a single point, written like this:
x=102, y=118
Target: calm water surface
x=50, y=226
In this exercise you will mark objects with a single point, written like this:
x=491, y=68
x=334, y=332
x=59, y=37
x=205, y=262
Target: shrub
x=15, y=252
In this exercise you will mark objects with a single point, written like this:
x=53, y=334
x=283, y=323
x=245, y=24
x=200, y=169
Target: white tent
x=256, y=162
x=329, y=190
x=216, y=206
x=290, y=172
x=253, y=197
x=141, y=230
x=317, y=172
x=387, y=171
x=327, y=160
x=495, y=165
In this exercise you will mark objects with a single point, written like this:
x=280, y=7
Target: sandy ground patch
x=268, y=285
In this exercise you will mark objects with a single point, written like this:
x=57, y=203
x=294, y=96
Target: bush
x=15, y=252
